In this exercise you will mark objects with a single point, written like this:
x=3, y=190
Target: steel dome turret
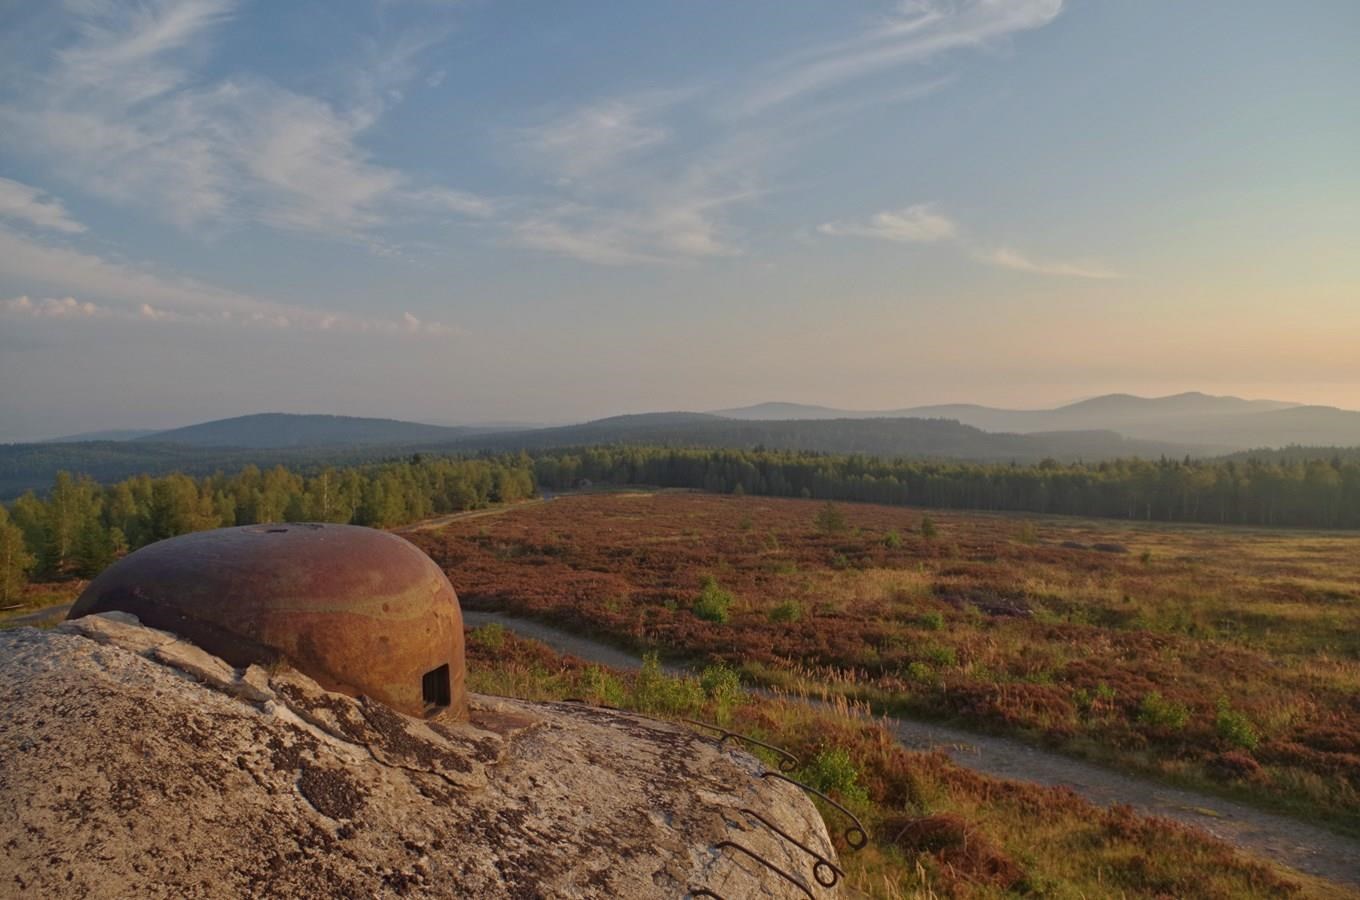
x=362, y=612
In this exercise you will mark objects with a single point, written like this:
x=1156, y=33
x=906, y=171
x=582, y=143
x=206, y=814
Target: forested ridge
x=79, y=526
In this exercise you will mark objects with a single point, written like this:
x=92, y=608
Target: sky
x=496, y=211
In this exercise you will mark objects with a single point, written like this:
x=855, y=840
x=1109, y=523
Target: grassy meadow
x=1225, y=659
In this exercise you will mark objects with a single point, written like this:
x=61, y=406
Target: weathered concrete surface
x=133, y=764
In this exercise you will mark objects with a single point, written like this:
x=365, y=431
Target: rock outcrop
x=134, y=764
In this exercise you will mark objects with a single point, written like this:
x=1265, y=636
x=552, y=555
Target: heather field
x=1226, y=659
x=935, y=829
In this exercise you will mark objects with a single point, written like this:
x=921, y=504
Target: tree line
x=80, y=526
x=1318, y=493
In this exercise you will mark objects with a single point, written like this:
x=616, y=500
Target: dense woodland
x=79, y=526
x=1321, y=493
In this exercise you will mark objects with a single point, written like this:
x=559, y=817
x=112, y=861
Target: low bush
x=834, y=772
x=1156, y=711
x=656, y=692
x=788, y=611
x=713, y=602
x=932, y=621
x=1234, y=728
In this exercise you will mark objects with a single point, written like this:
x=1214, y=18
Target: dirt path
x=441, y=521
x=1288, y=841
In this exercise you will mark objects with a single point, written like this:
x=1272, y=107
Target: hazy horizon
x=459, y=213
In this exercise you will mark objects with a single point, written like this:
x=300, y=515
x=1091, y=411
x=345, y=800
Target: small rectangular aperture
x=434, y=685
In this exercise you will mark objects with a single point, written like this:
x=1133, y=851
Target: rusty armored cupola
x=362, y=612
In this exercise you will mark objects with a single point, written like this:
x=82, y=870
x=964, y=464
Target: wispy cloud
x=594, y=138
x=1010, y=258
x=656, y=176
x=141, y=293
x=30, y=205
x=120, y=113
x=919, y=223
x=625, y=194
x=919, y=31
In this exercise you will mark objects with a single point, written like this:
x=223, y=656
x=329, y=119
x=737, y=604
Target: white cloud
x=147, y=295
x=918, y=223
x=1009, y=258
x=53, y=308
x=28, y=204
x=921, y=30
x=121, y=114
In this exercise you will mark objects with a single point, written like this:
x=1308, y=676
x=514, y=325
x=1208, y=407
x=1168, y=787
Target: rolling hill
x=277, y=430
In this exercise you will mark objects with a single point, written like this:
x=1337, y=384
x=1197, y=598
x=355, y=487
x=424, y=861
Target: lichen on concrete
x=136, y=765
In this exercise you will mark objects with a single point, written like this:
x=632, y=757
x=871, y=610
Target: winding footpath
x=1293, y=843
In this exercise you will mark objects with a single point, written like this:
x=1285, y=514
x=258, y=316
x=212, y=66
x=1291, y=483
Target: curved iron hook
x=821, y=865
x=767, y=864
x=787, y=762
x=856, y=829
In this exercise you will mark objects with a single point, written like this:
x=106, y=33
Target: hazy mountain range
x=1190, y=418
x=1115, y=425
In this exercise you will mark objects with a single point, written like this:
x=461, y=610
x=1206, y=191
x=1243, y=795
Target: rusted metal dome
x=363, y=612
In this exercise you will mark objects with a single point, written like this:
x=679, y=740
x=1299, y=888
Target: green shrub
x=892, y=540
x=598, y=685
x=1158, y=712
x=656, y=692
x=831, y=520
x=1234, y=727
x=932, y=621
x=722, y=685
x=1027, y=533
x=713, y=602
x=834, y=772
x=788, y=611
x=491, y=636
x=941, y=656
x=920, y=673
x=929, y=530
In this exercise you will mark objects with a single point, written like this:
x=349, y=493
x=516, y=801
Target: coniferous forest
x=79, y=526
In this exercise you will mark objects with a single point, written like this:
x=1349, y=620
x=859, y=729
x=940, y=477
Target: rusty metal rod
x=856, y=829
x=767, y=864
x=787, y=762
x=821, y=865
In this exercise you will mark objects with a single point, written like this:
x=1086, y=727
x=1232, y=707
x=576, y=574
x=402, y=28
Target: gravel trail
x=1293, y=843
